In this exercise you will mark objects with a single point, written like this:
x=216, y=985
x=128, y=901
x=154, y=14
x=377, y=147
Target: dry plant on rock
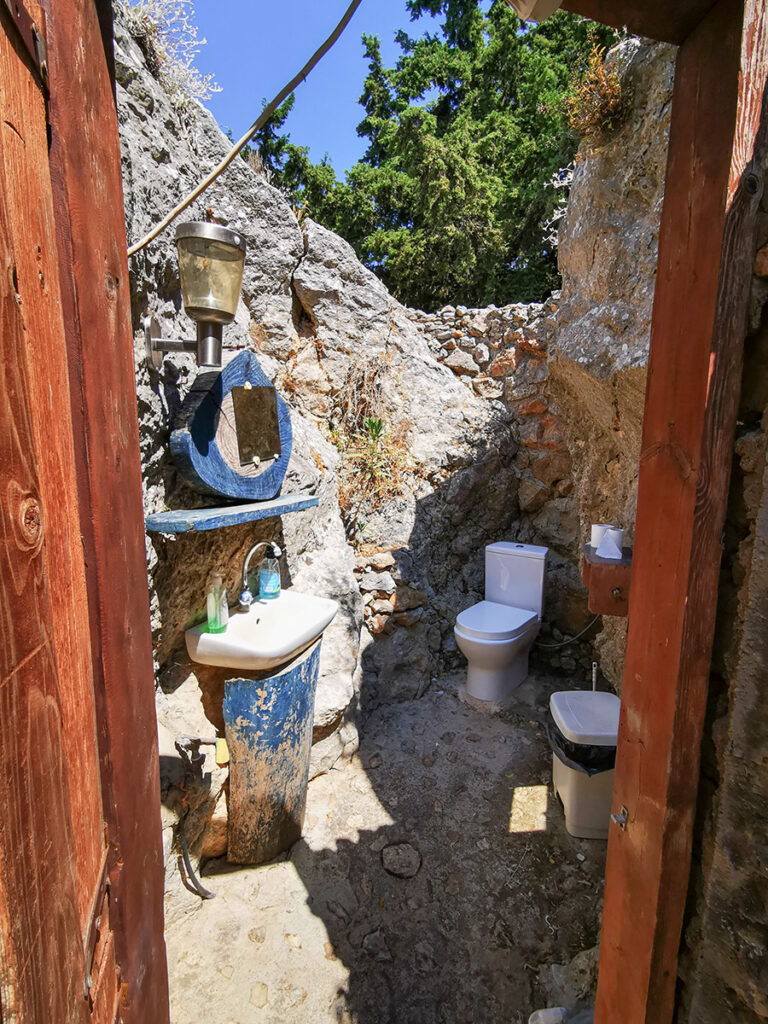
x=599, y=101
x=376, y=461
x=167, y=33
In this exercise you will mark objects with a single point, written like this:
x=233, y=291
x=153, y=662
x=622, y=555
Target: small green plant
x=599, y=102
x=375, y=428
x=376, y=466
x=376, y=460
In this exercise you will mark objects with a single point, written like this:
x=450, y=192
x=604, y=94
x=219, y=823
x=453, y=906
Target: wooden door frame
x=714, y=183
x=87, y=181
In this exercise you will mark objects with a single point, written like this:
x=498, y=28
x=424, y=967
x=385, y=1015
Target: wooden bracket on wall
x=607, y=580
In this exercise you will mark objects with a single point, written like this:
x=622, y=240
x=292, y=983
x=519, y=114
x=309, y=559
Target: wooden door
x=67, y=952
x=53, y=850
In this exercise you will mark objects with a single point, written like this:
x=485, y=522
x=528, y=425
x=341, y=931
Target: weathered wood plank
x=669, y=21
x=199, y=519
x=30, y=207
x=85, y=162
x=39, y=917
x=608, y=581
x=706, y=250
x=269, y=734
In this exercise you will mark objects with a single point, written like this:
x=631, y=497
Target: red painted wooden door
x=71, y=949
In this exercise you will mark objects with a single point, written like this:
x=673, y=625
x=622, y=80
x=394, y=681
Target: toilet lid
x=587, y=716
x=490, y=621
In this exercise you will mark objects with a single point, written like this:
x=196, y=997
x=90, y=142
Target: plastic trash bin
x=583, y=731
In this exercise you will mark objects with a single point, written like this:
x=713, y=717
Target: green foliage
x=375, y=428
x=453, y=197
x=375, y=468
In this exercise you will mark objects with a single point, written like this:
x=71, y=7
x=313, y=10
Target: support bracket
x=31, y=37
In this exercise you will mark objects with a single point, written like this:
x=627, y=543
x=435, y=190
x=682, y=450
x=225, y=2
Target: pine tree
x=452, y=198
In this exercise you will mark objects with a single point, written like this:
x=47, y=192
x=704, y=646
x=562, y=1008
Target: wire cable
x=564, y=643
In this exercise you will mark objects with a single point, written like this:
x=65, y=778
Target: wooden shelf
x=607, y=580
x=196, y=520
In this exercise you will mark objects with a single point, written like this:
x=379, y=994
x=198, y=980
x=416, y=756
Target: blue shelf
x=195, y=520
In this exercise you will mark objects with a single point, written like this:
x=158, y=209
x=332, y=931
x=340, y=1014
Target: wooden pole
x=87, y=185
x=708, y=237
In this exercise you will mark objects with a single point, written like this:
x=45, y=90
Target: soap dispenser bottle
x=269, y=575
x=216, y=605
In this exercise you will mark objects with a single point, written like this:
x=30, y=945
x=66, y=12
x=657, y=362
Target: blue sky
x=255, y=46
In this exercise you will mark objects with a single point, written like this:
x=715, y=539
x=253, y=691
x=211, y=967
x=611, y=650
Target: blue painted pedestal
x=268, y=726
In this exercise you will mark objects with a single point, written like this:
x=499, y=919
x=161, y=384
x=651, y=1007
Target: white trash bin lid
x=587, y=716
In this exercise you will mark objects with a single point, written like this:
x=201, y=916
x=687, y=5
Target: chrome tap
x=246, y=597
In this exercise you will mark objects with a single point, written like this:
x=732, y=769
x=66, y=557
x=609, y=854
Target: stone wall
x=570, y=372
x=724, y=959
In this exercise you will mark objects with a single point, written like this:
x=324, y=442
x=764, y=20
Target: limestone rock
x=377, y=581
x=461, y=362
x=406, y=598
x=607, y=248
x=572, y=984
x=401, y=860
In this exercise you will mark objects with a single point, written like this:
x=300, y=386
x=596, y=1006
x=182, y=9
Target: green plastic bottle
x=216, y=605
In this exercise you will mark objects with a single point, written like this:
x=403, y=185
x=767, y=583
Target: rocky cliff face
x=520, y=422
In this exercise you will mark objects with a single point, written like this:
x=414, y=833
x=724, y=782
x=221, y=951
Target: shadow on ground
x=445, y=912
x=433, y=881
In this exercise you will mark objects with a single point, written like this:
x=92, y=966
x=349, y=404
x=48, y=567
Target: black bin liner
x=582, y=757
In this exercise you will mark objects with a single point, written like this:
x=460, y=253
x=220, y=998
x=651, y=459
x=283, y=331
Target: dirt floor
x=435, y=884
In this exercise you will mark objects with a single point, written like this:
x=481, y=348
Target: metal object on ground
x=194, y=881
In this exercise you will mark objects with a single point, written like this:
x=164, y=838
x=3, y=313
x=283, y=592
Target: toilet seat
x=490, y=621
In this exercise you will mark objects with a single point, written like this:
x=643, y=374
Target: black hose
x=197, y=885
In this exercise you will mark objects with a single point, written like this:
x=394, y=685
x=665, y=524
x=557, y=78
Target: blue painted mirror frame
x=193, y=441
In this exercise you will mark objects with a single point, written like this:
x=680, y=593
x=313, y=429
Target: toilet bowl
x=495, y=635
x=495, y=639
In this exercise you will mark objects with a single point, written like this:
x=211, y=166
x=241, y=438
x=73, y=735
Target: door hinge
x=31, y=36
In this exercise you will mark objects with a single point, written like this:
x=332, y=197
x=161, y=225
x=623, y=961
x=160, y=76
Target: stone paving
x=435, y=884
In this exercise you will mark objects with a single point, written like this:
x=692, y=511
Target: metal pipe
x=209, y=342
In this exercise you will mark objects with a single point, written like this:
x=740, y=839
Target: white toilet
x=496, y=635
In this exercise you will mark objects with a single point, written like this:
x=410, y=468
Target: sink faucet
x=246, y=597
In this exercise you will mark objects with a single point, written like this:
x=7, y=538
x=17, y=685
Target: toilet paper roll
x=598, y=532
x=617, y=536
x=611, y=544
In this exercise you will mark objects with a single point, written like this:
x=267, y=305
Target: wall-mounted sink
x=268, y=634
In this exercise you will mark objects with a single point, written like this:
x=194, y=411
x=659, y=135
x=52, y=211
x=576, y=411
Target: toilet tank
x=514, y=574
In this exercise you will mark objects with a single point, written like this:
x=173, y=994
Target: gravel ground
x=435, y=884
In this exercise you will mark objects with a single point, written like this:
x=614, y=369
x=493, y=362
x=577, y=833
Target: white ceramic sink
x=268, y=634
